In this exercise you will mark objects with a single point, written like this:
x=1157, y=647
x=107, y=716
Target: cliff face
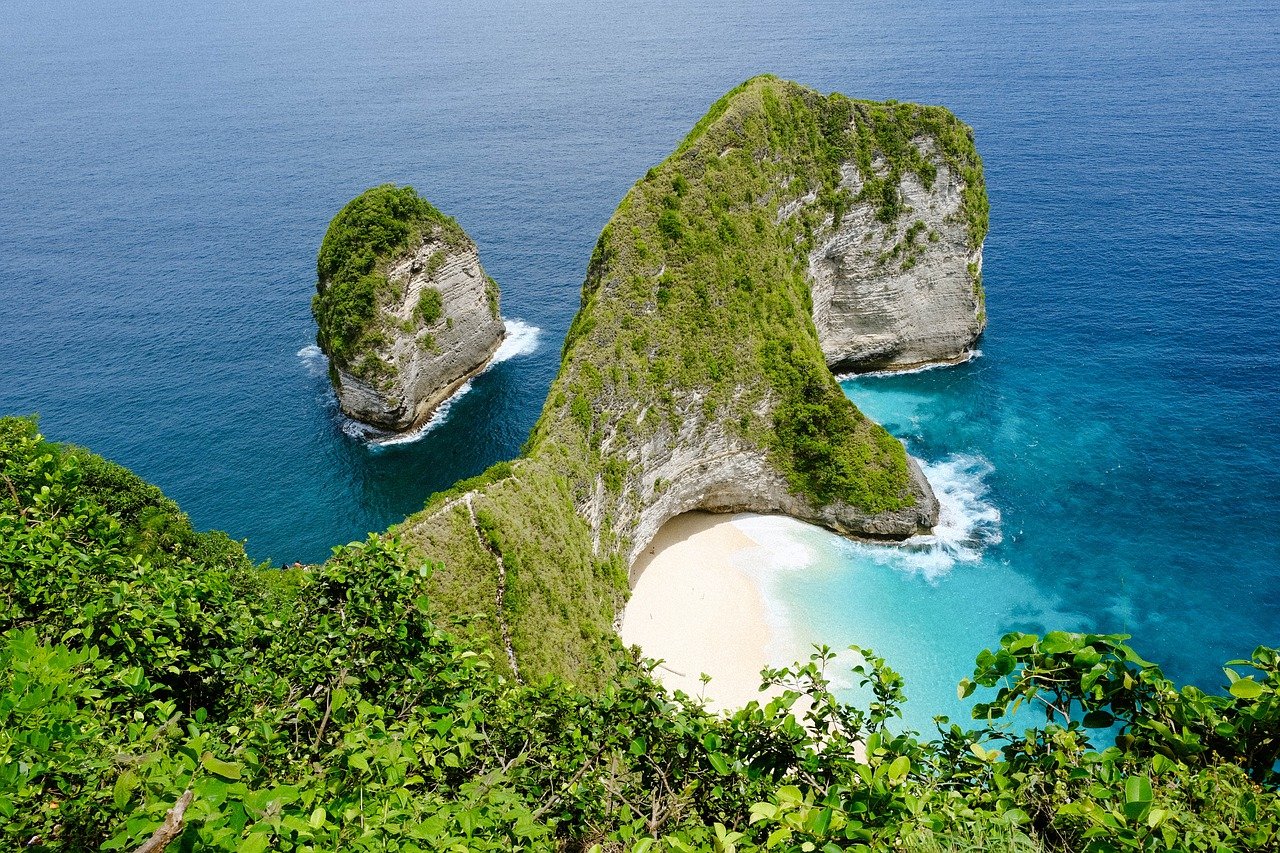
x=902, y=294
x=701, y=465
x=790, y=231
x=429, y=354
x=406, y=312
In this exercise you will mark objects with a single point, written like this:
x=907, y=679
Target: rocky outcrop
x=904, y=294
x=441, y=329
x=704, y=466
x=789, y=233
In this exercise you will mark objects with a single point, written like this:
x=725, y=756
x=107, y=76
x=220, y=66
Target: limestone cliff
x=906, y=293
x=695, y=375
x=406, y=312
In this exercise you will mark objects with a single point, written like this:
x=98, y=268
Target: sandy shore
x=693, y=610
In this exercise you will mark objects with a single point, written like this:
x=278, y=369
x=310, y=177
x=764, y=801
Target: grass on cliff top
x=372, y=230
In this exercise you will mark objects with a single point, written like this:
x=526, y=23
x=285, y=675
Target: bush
x=346, y=719
x=430, y=305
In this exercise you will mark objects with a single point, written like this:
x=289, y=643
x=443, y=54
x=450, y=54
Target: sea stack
x=405, y=311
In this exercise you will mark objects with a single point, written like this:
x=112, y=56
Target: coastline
x=694, y=610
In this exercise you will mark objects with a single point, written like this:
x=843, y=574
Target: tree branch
x=171, y=827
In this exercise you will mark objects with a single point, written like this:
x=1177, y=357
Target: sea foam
x=968, y=522
x=521, y=339
x=969, y=356
x=313, y=359
x=439, y=416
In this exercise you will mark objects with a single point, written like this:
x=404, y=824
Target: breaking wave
x=521, y=339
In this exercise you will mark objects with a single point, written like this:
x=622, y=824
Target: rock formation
x=430, y=317
x=903, y=294
x=790, y=231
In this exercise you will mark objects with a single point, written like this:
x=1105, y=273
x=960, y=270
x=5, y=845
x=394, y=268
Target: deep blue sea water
x=167, y=172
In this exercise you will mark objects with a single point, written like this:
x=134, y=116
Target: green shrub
x=430, y=305
x=344, y=718
x=372, y=229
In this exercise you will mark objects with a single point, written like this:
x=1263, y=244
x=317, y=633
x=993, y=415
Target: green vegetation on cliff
x=145, y=667
x=373, y=229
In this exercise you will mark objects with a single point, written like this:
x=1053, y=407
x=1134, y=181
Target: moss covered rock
x=694, y=377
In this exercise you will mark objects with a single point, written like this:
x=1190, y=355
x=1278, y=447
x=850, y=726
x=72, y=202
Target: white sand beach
x=692, y=609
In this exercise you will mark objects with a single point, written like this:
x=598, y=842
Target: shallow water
x=167, y=172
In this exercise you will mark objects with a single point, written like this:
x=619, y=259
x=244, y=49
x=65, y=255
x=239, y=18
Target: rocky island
x=404, y=310
x=789, y=233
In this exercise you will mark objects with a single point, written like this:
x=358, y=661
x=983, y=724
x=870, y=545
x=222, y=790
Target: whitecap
x=968, y=522
x=313, y=359
x=521, y=339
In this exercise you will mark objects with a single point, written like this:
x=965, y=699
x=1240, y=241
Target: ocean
x=1111, y=462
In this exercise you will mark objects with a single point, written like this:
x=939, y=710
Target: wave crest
x=968, y=522
x=521, y=339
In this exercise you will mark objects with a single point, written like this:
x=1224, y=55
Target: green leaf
x=1057, y=642
x=719, y=762
x=123, y=790
x=1099, y=720
x=899, y=769
x=256, y=843
x=1137, y=797
x=318, y=818
x=1247, y=688
x=225, y=769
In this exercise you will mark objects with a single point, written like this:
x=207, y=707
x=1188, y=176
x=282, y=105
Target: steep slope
x=694, y=377
x=405, y=311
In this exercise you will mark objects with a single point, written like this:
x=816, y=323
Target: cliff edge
x=404, y=310
x=696, y=372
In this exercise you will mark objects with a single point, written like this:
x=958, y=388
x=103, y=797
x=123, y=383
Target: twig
x=564, y=789
x=14, y=492
x=171, y=827
x=328, y=708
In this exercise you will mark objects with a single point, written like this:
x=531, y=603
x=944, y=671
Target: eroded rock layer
x=901, y=294
x=406, y=312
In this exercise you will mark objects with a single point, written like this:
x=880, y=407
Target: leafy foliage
x=430, y=305
x=372, y=229
x=324, y=709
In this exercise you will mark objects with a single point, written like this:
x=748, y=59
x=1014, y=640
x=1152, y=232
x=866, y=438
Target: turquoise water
x=167, y=172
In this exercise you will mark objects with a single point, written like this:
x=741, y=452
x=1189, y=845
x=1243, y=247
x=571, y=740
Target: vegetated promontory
x=694, y=375
x=404, y=310
x=160, y=692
